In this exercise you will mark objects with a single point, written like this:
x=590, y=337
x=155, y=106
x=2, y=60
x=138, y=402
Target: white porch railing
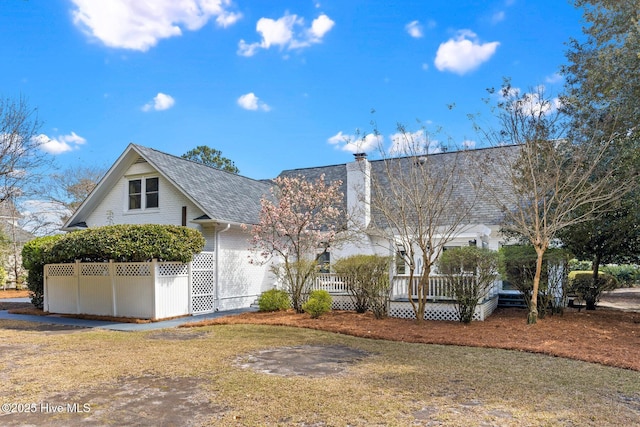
x=439, y=288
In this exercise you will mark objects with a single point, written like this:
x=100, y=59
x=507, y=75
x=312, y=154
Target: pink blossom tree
x=297, y=225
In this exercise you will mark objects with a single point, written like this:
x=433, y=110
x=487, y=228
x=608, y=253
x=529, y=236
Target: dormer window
x=143, y=192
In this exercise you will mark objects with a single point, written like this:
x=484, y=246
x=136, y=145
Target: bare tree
x=21, y=162
x=549, y=182
x=420, y=201
x=70, y=188
x=20, y=154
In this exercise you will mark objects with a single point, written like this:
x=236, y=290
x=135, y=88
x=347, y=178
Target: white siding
x=113, y=208
x=240, y=282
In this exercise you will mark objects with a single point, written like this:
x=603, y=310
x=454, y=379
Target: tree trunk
x=590, y=301
x=533, y=308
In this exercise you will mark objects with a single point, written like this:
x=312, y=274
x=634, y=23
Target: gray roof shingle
x=224, y=196
x=485, y=210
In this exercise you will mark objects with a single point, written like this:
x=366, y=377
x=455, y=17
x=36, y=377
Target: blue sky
x=272, y=84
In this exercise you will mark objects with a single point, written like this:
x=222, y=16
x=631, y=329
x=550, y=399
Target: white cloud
x=138, y=25
x=414, y=29
x=468, y=144
x=554, y=78
x=531, y=103
x=250, y=101
x=463, y=53
x=413, y=143
x=288, y=33
x=355, y=144
x=498, y=17
x=159, y=103
x=60, y=144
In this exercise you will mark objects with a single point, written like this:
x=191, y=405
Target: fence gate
x=203, y=276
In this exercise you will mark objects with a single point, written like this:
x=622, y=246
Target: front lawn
x=200, y=376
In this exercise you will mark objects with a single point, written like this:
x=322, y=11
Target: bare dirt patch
x=305, y=360
x=140, y=401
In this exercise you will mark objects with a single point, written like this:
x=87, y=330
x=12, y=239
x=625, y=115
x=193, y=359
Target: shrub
x=576, y=264
x=319, y=302
x=518, y=267
x=627, y=275
x=3, y=278
x=35, y=254
x=367, y=278
x=588, y=289
x=470, y=271
x=296, y=278
x=274, y=300
x=129, y=243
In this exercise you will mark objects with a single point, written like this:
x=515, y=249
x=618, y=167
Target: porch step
x=511, y=299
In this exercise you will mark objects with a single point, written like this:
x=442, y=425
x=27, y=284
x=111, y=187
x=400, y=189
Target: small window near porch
x=401, y=267
x=324, y=261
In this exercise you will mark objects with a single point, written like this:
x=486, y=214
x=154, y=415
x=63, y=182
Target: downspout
x=217, y=250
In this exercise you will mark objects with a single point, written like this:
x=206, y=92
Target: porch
x=440, y=296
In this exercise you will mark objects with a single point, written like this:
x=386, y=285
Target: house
x=147, y=186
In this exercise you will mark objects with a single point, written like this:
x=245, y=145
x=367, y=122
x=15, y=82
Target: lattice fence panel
x=130, y=270
x=201, y=288
x=61, y=270
x=342, y=303
x=203, y=261
x=172, y=269
x=94, y=269
x=203, y=282
x=202, y=303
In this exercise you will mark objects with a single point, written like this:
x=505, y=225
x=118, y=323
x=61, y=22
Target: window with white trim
x=324, y=262
x=143, y=193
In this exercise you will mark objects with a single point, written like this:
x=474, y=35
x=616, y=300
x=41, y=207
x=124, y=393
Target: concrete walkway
x=115, y=326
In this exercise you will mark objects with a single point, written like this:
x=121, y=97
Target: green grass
x=398, y=384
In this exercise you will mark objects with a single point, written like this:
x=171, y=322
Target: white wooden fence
x=146, y=290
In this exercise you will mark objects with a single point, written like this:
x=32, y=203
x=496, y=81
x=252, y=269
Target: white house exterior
x=145, y=186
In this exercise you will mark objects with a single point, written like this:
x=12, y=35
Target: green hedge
x=122, y=243
x=35, y=254
x=129, y=243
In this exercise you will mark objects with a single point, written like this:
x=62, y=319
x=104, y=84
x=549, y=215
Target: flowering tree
x=297, y=225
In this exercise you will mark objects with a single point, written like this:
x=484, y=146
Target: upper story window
x=143, y=193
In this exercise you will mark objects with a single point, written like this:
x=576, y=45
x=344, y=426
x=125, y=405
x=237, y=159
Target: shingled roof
x=224, y=196
x=485, y=209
